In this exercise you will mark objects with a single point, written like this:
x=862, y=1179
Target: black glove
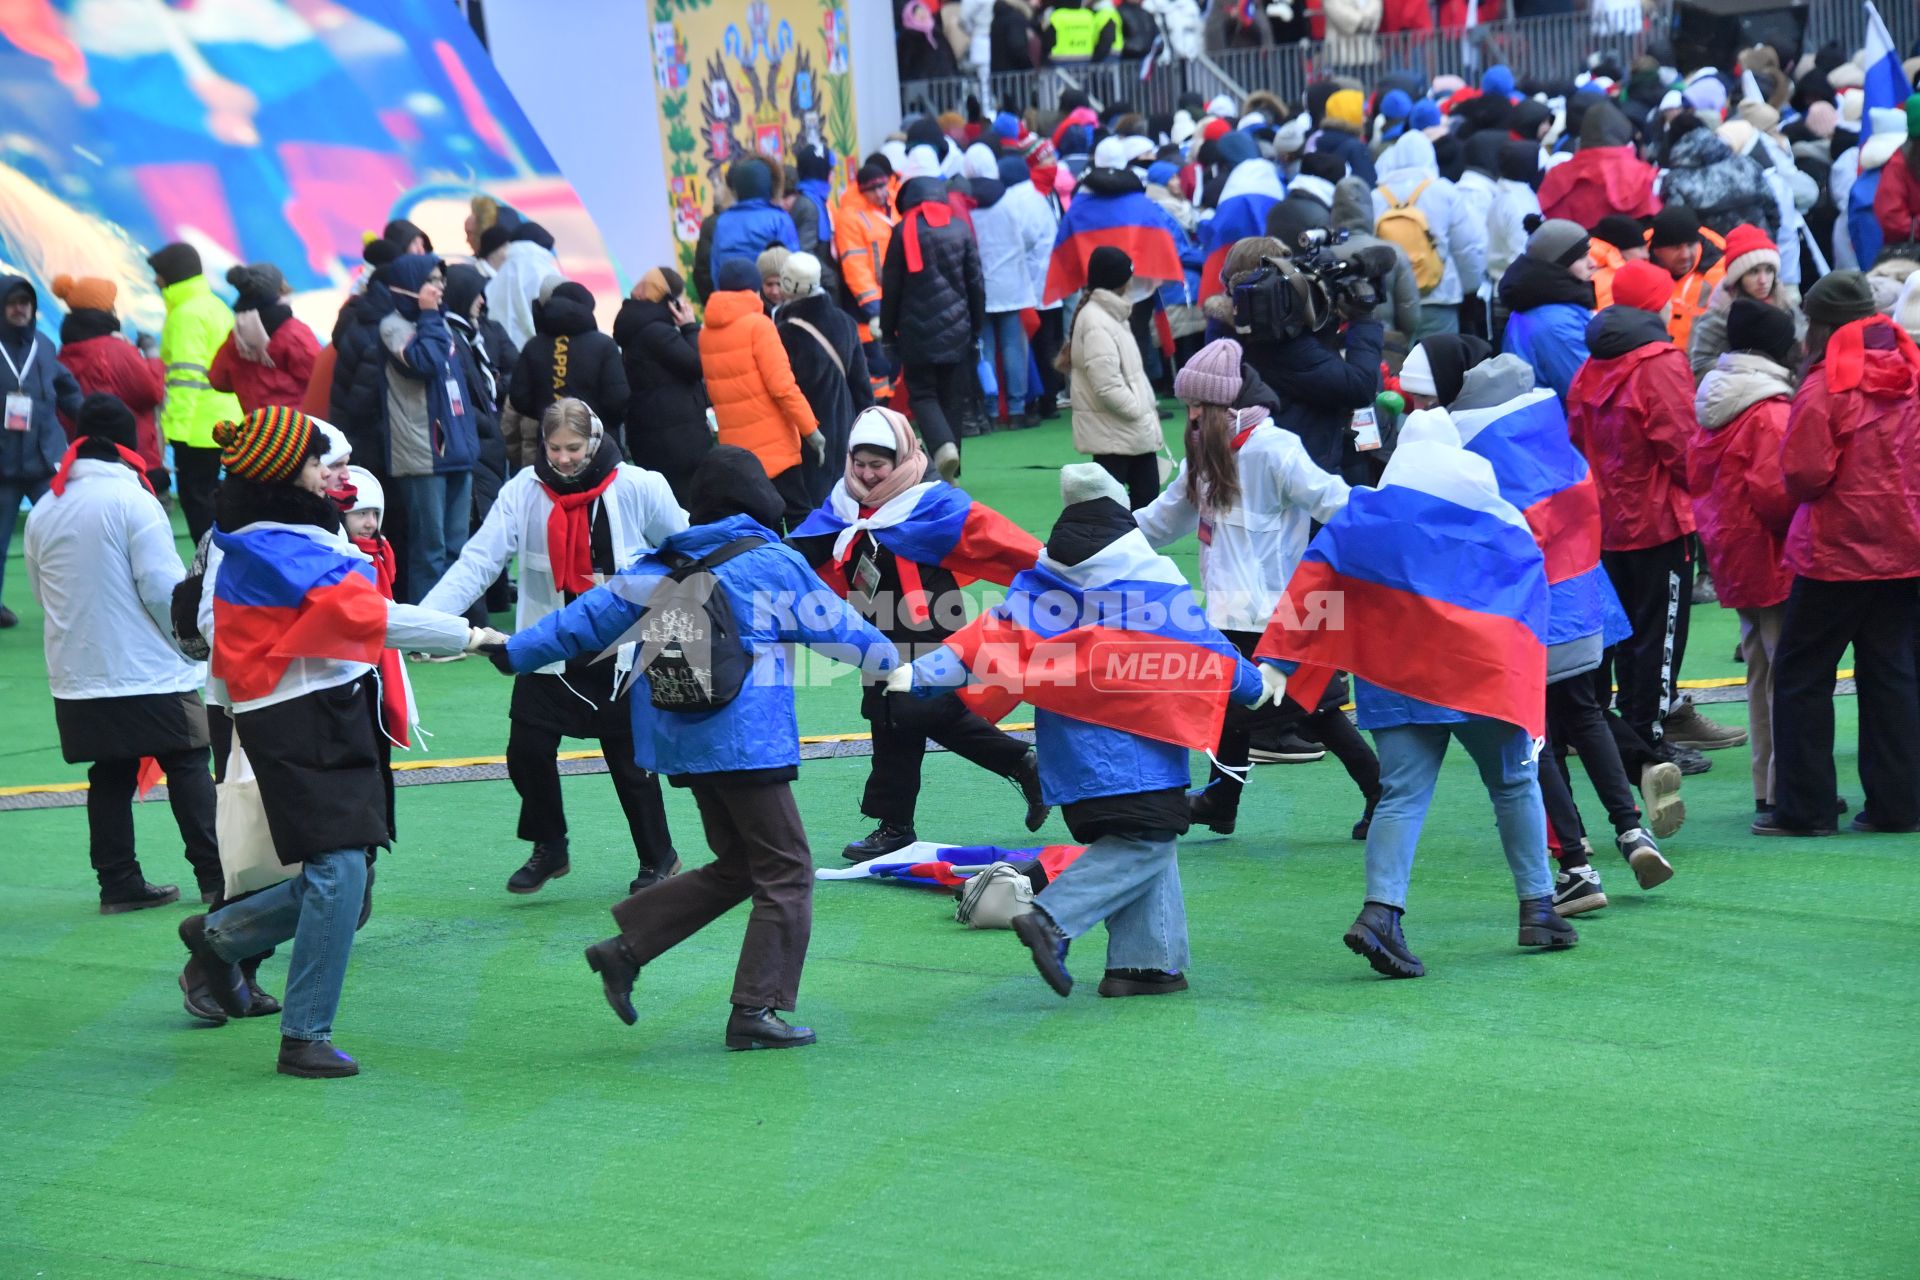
x=497, y=655
x=1358, y=302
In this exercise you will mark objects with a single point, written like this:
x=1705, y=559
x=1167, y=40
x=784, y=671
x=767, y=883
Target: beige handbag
x=247, y=857
x=992, y=898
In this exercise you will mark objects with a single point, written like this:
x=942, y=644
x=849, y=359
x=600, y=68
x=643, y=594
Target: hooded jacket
x=835, y=383
x=753, y=223
x=291, y=352
x=1513, y=202
x=102, y=360
x=1458, y=238
x=1852, y=462
x=1004, y=244
x=569, y=356
x=667, y=401
x=1548, y=310
x=1733, y=472
x=33, y=367
x=1353, y=214
x=515, y=287
x=197, y=323
x=429, y=423
x=1630, y=410
x=1114, y=410
x=933, y=315
x=1723, y=189
x=1039, y=222
x=758, y=404
x=860, y=235
x=1604, y=176
x=1348, y=145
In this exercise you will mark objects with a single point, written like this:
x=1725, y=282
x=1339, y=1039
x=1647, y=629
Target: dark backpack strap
x=738, y=547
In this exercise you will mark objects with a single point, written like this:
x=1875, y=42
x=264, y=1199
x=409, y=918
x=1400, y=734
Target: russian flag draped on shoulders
x=1442, y=590
x=1548, y=480
x=1127, y=220
x=1117, y=640
x=1252, y=188
x=932, y=523
x=280, y=595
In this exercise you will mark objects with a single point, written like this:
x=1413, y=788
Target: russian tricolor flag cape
x=1251, y=189
x=930, y=524
x=280, y=595
x=1128, y=221
x=1117, y=640
x=942, y=866
x=1547, y=479
x=1441, y=593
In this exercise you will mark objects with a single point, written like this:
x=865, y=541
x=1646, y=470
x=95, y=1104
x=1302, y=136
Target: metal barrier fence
x=1555, y=47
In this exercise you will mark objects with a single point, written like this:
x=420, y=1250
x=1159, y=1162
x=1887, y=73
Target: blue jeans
x=439, y=516
x=1132, y=883
x=1410, y=756
x=1005, y=334
x=318, y=909
x=12, y=493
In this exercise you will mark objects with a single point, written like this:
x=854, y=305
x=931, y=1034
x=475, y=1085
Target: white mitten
x=900, y=679
x=1273, y=685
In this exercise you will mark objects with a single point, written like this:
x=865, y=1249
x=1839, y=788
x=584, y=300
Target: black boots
x=885, y=838
x=1206, y=808
x=137, y=896
x=650, y=876
x=1027, y=778
x=1542, y=926
x=209, y=982
x=314, y=1060
x=617, y=969
x=1141, y=982
x=1376, y=937
x=762, y=1028
x=549, y=862
x=1049, y=947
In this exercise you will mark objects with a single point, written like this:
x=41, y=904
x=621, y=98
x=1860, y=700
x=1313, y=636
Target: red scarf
x=128, y=456
x=393, y=672
x=935, y=213
x=570, y=536
x=1847, y=352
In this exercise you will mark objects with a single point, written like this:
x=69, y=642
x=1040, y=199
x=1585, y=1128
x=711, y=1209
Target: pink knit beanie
x=1212, y=376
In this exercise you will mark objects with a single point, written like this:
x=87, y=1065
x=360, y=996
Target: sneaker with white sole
x=1660, y=800
x=1650, y=867
x=1577, y=890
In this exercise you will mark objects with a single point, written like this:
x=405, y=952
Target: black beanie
x=493, y=238
x=535, y=232
x=925, y=132
x=1675, y=224
x=1840, y=297
x=1620, y=231
x=378, y=253
x=1520, y=162
x=106, y=417
x=1482, y=152
x=175, y=262
x=1325, y=165
x=812, y=162
x=871, y=173
x=1760, y=326
x=400, y=233
x=1109, y=268
x=1449, y=356
x=731, y=482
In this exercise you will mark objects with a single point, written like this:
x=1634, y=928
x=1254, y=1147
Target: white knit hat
x=368, y=495
x=1110, y=154
x=1133, y=146
x=981, y=162
x=800, y=275
x=922, y=162
x=1416, y=375
x=1085, y=481
x=1224, y=105
x=338, y=446
x=874, y=430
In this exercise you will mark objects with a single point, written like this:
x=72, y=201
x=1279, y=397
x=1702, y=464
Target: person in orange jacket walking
x=862, y=230
x=756, y=401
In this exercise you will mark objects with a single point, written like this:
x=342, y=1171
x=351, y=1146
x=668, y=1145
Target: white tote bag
x=240, y=823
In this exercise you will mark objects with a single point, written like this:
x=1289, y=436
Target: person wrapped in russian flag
x=1112, y=208
x=898, y=546
x=1433, y=593
x=1252, y=188
x=1522, y=431
x=1126, y=676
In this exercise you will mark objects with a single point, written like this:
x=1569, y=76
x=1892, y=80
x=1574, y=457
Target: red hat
x=1214, y=127
x=1642, y=285
x=1747, y=248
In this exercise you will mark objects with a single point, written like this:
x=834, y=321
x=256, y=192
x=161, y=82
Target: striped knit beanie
x=268, y=446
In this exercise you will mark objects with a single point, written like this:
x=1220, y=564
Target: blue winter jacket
x=429, y=359
x=34, y=454
x=1552, y=338
x=777, y=601
x=750, y=227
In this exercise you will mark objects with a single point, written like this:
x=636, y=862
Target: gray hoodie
x=1353, y=213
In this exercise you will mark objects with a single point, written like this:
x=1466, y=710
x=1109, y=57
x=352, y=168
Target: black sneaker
x=1142, y=982
x=1286, y=748
x=1867, y=826
x=8, y=618
x=1375, y=935
x=1541, y=926
x=1769, y=824
x=650, y=876
x=1650, y=867
x=884, y=839
x=1027, y=779
x=1049, y=947
x=549, y=862
x=1690, y=761
x=1577, y=891
x=137, y=896
x=1206, y=809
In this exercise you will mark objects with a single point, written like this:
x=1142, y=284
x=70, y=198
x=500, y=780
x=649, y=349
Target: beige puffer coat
x=1114, y=410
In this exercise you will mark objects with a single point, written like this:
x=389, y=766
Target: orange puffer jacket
x=758, y=404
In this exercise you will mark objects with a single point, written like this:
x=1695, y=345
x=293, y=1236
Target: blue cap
x=1007, y=125
x=1396, y=104
x=1498, y=81
x=1425, y=115
x=1161, y=171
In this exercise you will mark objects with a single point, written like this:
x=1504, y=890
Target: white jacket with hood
x=1458, y=237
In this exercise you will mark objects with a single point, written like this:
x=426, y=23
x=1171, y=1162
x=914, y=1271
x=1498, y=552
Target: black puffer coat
x=1723, y=189
x=933, y=315
x=667, y=414
x=836, y=396
x=1319, y=381
x=357, y=397
x=569, y=356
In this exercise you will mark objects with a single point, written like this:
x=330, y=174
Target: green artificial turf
x=1717, y=1081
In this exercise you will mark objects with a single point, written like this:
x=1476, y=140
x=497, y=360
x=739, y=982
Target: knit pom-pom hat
x=267, y=446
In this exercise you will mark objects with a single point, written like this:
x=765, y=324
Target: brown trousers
x=759, y=852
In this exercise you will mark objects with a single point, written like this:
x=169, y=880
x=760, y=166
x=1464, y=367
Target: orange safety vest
x=1690, y=292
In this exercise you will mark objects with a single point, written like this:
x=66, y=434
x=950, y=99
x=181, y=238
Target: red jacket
x=1598, y=181
x=1896, y=204
x=292, y=348
x=1733, y=471
x=1852, y=459
x=1630, y=411
x=1406, y=15
x=115, y=366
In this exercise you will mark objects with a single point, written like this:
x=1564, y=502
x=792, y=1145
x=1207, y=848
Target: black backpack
x=690, y=648
x=186, y=604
